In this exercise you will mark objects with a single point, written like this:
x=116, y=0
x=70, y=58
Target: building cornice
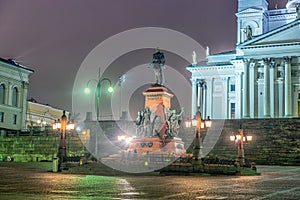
x=270, y=45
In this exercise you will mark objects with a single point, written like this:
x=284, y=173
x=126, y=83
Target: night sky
x=53, y=37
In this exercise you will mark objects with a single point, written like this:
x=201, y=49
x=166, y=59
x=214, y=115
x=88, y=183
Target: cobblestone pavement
x=275, y=182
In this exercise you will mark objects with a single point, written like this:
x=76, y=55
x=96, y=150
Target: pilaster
x=252, y=89
x=204, y=100
x=280, y=90
x=266, y=62
x=287, y=87
x=239, y=97
x=226, y=97
x=209, y=82
x=194, y=97
x=23, y=104
x=295, y=101
x=199, y=95
x=246, y=106
x=272, y=88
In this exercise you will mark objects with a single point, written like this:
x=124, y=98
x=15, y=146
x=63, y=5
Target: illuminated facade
x=261, y=77
x=14, y=81
x=41, y=117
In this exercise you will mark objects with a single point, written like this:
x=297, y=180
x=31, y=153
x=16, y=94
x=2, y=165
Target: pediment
x=289, y=33
x=250, y=10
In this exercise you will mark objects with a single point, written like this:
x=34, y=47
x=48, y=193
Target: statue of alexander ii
x=158, y=66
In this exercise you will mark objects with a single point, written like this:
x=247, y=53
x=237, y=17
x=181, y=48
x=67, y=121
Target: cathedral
x=261, y=77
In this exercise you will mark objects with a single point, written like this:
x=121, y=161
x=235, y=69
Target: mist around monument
x=162, y=79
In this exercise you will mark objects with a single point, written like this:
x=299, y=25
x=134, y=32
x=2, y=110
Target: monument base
x=171, y=146
x=141, y=148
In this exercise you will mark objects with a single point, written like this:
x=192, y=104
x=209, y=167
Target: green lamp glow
x=110, y=89
x=87, y=90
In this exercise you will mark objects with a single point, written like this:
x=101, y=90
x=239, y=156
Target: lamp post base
x=197, y=165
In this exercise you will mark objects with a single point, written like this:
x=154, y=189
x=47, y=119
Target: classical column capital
x=287, y=60
x=267, y=61
x=273, y=63
x=252, y=65
x=246, y=60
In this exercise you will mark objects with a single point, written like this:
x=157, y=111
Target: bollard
x=55, y=165
x=253, y=166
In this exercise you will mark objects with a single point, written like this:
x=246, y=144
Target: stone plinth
x=170, y=146
x=157, y=95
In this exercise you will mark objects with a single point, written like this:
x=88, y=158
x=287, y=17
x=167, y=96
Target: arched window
x=15, y=97
x=2, y=93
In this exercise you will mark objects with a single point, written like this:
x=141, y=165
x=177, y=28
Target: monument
x=157, y=124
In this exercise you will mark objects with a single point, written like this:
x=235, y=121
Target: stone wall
x=36, y=148
x=275, y=141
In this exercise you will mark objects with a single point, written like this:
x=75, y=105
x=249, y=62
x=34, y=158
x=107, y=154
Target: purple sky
x=53, y=37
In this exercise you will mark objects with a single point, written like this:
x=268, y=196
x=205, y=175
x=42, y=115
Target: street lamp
x=198, y=124
x=121, y=81
x=62, y=125
x=240, y=138
x=87, y=90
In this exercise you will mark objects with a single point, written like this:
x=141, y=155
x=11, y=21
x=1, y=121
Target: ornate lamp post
x=121, y=81
x=198, y=123
x=62, y=125
x=87, y=90
x=240, y=139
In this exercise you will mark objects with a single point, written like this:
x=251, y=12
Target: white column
x=199, y=95
x=246, y=89
x=226, y=91
x=238, y=111
x=194, y=97
x=295, y=101
x=209, y=96
x=204, y=100
x=287, y=87
x=23, y=102
x=280, y=98
x=266, y=88
x=252, y=91
x=276, y=94
x=272, y=88
x=280, y=90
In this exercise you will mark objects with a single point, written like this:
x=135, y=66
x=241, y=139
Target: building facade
x=261, y=77
x=14, y=81
x=40, y=117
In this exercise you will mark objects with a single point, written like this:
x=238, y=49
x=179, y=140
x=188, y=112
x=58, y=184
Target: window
x=14, y=119
x=232, y=110
x=232, y=88
x=15, y=97
x=1, y=116
x=2, y=93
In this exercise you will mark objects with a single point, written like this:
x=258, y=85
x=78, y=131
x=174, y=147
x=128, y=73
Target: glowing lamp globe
x=87, y=90
x=110, y=89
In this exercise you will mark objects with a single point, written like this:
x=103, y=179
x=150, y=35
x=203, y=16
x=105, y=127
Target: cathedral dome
x=292, y=4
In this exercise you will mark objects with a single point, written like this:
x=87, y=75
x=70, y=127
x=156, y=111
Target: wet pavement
x=275, y=182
